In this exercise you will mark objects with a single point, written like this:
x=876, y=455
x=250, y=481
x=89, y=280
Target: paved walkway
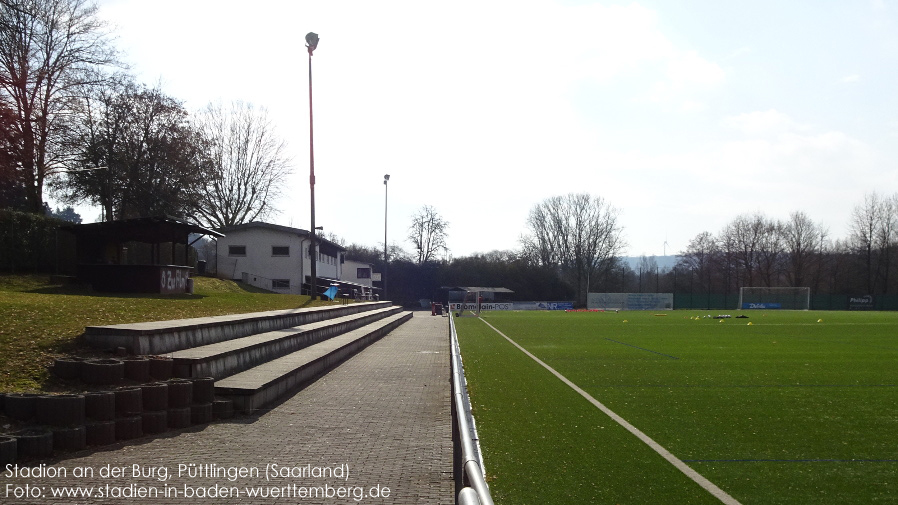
x=375, y=430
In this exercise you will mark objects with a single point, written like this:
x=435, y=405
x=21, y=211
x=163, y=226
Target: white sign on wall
x=512, y=306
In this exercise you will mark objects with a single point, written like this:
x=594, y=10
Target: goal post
x=470, y=306
x=787, y=298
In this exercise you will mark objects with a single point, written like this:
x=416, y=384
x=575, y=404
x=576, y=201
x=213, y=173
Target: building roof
x=279, y=228
x=478, y=288
x=150, y=230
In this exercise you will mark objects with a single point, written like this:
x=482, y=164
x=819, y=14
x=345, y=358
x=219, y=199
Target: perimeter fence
x=712, y=301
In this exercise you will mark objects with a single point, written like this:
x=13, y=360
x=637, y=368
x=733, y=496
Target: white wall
x=350, y=271
x=263, y=266
x=259, y=260
x=328, y=266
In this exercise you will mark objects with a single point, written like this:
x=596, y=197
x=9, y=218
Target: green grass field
x=796, y=407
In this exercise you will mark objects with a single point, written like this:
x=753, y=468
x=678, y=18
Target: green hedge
x=30, y=243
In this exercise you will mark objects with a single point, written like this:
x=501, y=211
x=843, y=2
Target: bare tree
x=699, y=259
x=805, y=244
x=873, y=232
x=428, y=234
x=744, y=237
x=547, y=240
x=886, y=238
x=48, y=48
x=699, y=254
x=577, y=233
x=646, y=267
x=864, y=221
x=771, y=253
x=247, y=168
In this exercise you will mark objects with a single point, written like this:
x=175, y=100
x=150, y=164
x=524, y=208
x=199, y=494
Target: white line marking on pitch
x=673, y=460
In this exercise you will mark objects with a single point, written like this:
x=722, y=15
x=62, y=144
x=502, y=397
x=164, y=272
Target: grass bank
x=41, y=320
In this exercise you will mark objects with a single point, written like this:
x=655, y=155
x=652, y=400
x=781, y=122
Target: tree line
x=74, y=122
x=756, y=250
x=572, y=245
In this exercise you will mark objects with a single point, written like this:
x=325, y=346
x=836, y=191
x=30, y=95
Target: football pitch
x=784, y=407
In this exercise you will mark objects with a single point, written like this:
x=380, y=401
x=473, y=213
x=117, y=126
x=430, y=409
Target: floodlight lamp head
x=386, y=178
x=311, y=41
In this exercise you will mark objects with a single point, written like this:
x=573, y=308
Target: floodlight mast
x=311, y=45
x=386, y=257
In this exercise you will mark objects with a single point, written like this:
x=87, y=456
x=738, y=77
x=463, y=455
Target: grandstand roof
x=478, y=288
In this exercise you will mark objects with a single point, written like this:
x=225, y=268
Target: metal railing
x=474, y=490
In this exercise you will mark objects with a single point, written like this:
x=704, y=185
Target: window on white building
x=363, y=273
x=280, y=283
x=279, y=250
x=236, y=250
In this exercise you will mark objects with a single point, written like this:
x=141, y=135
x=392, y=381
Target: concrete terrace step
x=258, y=386
x=236, y=355
x=160, y=337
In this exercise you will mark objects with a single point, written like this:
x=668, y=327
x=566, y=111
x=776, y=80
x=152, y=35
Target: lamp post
x=386, y=258
x=311, y=44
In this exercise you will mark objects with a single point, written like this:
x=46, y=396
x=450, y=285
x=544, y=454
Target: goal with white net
x=794, y=298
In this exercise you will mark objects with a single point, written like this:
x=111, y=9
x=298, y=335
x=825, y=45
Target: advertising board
x=761, y=305
x=512, y=306
x=630, y=301
x=862, y=302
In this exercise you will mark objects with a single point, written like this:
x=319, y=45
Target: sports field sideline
x=781, y=407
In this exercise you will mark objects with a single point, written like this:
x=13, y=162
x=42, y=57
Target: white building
x=278, y=258
x=360, y=276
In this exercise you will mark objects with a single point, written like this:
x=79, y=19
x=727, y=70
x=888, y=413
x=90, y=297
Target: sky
x=681, y=115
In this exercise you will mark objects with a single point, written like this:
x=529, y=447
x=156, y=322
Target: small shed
x=142, y=255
